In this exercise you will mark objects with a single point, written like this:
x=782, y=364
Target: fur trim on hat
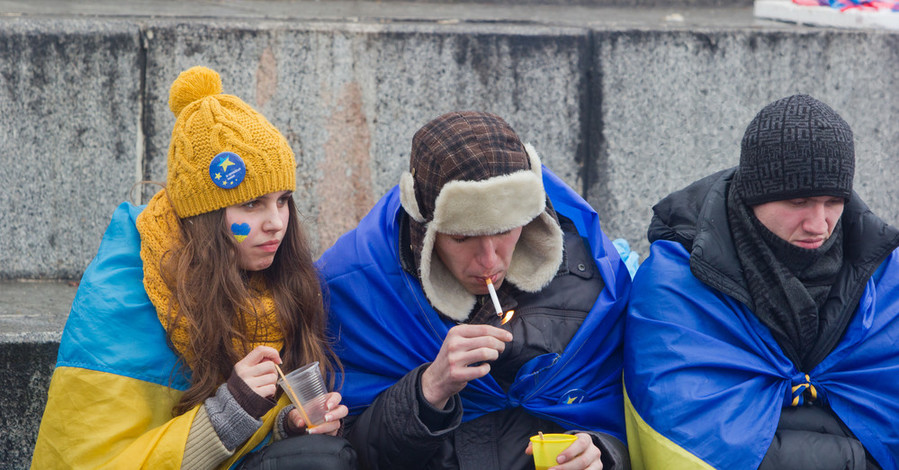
x=488, y=207
x=407, y=197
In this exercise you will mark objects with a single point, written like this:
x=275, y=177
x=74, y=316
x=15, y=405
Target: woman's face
x=258, y=226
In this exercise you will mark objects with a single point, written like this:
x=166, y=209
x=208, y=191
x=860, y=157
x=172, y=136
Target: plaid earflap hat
x=796, y=147
x=469, y=174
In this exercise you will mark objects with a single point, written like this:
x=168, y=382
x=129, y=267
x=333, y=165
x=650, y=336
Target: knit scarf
x=160, y=233
x=789, y=286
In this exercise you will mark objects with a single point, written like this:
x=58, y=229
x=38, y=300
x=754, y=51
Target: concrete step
x=32, y=316
x=625, y=104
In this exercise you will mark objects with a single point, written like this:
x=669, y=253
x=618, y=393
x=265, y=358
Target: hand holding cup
x=564, y=452
x=315, y=407
x=331, y=424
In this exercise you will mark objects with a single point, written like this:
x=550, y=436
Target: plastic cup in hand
x=547, y=447
x=306, y=389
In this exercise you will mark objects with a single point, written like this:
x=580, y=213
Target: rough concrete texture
x=25, y=369
x=34, y=311
x=349, y=98
x=32, y=316
x=69, y=107
x=629, y=114
x=674, y=106
x=383, y=12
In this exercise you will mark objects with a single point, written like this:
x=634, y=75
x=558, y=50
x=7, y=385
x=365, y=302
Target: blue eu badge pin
x=572, y=396
x=227, y=170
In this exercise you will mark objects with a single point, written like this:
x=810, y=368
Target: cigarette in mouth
x=492, y=290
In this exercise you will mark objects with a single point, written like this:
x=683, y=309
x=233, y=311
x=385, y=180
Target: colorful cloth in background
x=705, y=380
x=630, y=258
x=844, y=5
x=386, y=327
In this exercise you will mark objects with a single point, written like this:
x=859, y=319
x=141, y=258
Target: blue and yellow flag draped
x=705, y=380
x=116, y=379
x=386, y=327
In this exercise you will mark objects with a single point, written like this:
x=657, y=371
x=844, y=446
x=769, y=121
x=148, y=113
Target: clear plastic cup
x=306, y=389
x=547, y=448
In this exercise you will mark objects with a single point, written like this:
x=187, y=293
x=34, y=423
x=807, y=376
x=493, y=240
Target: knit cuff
x=250, y=401
x=233, y=425
x=204, y=449
x=285, y=427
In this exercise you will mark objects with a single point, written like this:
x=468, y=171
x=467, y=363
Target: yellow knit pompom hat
x=222, y=152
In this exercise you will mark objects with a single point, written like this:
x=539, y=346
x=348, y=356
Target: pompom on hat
x=469, y=174
x=222, y=151
x=796, y=147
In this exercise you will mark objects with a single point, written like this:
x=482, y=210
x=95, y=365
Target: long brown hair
x=213, y=293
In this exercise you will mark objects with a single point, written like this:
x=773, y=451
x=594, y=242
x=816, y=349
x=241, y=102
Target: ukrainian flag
x=705, y=381
x=116, y=380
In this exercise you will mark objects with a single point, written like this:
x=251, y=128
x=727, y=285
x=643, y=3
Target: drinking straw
x=293, y=396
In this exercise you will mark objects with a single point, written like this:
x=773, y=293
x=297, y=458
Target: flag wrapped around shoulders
x=116, y=379
x=705, y=381
x=385, y=326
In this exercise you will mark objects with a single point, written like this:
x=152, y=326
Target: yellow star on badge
x=218, y=176
x=226, y=163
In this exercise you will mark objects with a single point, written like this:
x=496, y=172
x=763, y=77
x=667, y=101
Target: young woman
x=169, y=356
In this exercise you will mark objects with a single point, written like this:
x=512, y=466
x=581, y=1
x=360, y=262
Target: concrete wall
x=624, y=114
x=673, y=106
x=70, y=110
x=349, y=98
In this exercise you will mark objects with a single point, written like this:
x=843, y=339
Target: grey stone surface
x=32, y=317
x=674, y=105
x=349, y=97
x=25, y=369
x=70, y=99
x=34, y=311
x=548, y=12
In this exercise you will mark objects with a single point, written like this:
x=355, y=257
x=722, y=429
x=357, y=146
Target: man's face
x=804, y=222
x=472, y=260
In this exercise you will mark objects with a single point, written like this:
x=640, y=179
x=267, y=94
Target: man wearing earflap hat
x=763, y=325
x=432, y=377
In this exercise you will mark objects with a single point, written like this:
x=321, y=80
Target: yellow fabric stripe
x=101, y=420
x=650, y=450
x=811, y=388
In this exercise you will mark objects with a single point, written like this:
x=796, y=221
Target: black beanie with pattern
x=796, y=147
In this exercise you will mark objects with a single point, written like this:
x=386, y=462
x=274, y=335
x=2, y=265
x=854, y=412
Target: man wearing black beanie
x=762, y=329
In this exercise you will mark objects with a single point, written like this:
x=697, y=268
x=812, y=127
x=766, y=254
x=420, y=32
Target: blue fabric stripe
x=113, y=326
x=704, y=372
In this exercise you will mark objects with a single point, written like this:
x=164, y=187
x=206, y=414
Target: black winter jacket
x=401, y=430
x=808, y=437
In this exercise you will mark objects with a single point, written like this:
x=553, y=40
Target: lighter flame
x=508, y=316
